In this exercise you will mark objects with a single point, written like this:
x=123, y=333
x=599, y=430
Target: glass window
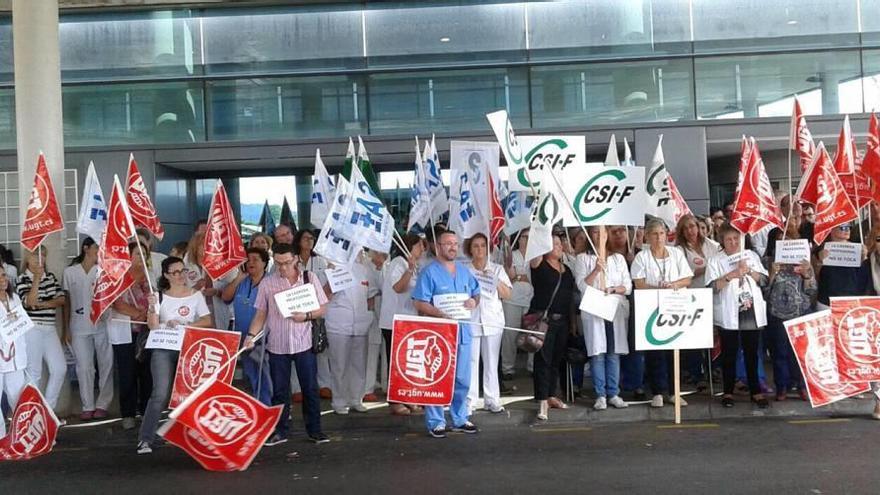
x=744, y=25
x=117, y=45
x=403, y=34
x=287, y=107
x=111, y=114
x=446, y=100
x=265, y=40
x=763, y=85
x=586, y=28
x=6, y=66
x=572, y=95
x=7, y=119
x=871, y=81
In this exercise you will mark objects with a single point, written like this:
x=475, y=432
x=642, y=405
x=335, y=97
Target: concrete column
x=38, y=122
x=304, y=201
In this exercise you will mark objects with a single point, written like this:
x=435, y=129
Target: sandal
x=555, y=403
x=399, y=410
x=761, y=401
x=727, y=401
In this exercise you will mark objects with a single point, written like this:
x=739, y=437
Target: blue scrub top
x=436, y=280
x=243, y=304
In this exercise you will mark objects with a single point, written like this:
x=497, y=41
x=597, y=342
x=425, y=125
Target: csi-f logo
x=548, y=210
x=659, y=325
x=601, y=193
x=658, y=185
x=551, y=153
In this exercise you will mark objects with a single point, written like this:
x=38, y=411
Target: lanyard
x=661, y=268
x=247, y=300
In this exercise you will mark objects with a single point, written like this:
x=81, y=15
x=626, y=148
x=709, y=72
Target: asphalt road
x=756, y=455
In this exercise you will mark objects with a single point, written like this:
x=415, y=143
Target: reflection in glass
x=577, y=95
x=111, y=114
x=287, y=107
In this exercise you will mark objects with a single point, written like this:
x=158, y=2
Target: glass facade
x=377, y=68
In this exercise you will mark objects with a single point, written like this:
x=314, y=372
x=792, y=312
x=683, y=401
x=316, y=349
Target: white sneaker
x=144, y=448
x=495, y=409
x=617, y=402
x=600, y=404
x=359, y=408
x=671, y=400
x=657, y=401
x=340, y=410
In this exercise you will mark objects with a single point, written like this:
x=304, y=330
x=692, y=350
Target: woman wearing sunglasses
x=840, y=281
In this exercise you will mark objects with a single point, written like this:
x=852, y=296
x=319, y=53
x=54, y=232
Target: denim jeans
x=163, y=365
x=786, y=372
x=306, y=364
x=606, y=367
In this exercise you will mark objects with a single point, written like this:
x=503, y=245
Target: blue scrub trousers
x=434, y=416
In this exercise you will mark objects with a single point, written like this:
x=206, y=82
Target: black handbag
x=319, y=329
x=538, y=323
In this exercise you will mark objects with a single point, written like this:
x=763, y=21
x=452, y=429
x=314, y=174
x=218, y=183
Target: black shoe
x=762, y=403
x=438, y=432
x=507, y=377
x=467, y=427
x=274, y=440
x=319, y=438
x=726, y=402
x=640, y=395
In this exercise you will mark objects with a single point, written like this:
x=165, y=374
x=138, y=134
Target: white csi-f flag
x=627, y=155
x=471, y=166
x=611, y=156
x=420, y=200
x=664, y=200
x=334, y=242
x=547, y=213
x=93, y=209
x=323, y=191
x=368, y=220
x=434, y=181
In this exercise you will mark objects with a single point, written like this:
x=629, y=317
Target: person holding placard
x=791, y=289
x=554, y=297
x=13, y=354
x=839, y=281
x=494, y=287
x=446, y=289
x=41, y=300
x=518, y=271
x=241, y=294
x=88, y=341
x=739, y=311
x=308, y=260
x=175, y=307
x=130, y=355
x=659, y=267
x=349, y=316
x=398, y=282
x=289, y=342
x=605, y=340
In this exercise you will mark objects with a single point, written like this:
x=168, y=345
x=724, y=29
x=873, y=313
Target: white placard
x=792, y=252
x=662, y=331
x=598, y=303
x=165, y=338
x=734, y=259
x=843, y=254
x=14, y=324
x=297, y=300
x=119, y=329
x=674, y=302
x=339, y=278
x=452, y=305
x=603, y=195
x=488, y=285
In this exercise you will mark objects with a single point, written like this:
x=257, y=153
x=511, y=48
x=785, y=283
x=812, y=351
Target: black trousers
x=549, y=359
x=135, y=379
x=730, y=343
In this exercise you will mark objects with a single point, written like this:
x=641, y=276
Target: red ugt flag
x=496, y=217
x=143, y=212
x=224, y=250
x=423, y=356
x=800, y=138
x=107, y=291
x=202, y=352
x=822, y=187
x=812, y=338
x=33, y=428
x=113, y=255
x=43, y=216
x=755, y=205
x=857, y=333
x=221, y=427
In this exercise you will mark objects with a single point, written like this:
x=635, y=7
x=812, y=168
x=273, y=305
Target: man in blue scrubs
x=444, y=276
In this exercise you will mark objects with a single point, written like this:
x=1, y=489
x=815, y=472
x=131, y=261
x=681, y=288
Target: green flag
x=349, y=160
x=363, y=162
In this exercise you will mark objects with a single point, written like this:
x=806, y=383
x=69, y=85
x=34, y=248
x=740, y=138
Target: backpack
x=787, y=297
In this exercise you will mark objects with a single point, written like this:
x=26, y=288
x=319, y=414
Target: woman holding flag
x=41, y=294
x=659, y=267
x=176, y=307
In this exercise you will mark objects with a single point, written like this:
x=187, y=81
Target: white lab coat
x=489, y=312
x=392, y=302
x=347, y=312
x=656, y=270
x=725, y=304
x=700, y=259
x=616, y=274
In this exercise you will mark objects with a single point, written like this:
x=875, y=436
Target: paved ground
x=754, y=455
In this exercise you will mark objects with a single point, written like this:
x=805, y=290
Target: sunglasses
x=844, y=228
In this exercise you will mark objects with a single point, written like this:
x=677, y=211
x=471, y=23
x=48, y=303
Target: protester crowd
x=506, y=290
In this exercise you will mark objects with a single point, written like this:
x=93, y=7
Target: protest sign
x=661, y=330
x=299, y=299
x=422, y=364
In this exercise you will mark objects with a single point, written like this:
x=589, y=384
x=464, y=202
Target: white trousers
x=85, y=349
x=374, y=356
x=512, y=318
x=489, y=348
x=43, y=344
x=11, y=384
x=348, y=365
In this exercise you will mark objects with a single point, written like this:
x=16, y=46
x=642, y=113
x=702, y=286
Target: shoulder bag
x=319, y=329
x=536, y=322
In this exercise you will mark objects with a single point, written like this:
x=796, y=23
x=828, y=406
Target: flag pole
x=144, y=261
x=790, y=197
x=571, y=207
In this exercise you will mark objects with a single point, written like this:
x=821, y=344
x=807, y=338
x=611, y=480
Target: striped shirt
x=285, y=336
x=49, y=289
